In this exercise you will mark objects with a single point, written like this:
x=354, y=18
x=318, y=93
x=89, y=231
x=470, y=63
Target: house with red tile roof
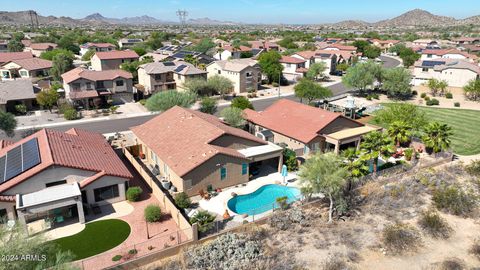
x=112, y=59
x=9, y=56
x=38, y=48
x=305, y=129
x=89, y=87
x=384, y=45
x=97, y=47
x=264, y=45
x=53, y=176
x=230, y=52
x=293, y=67
x=328, y=57
x=25, y=68
x=197, y=151
x=429, y=54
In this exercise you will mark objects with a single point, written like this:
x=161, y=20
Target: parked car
x=337, y=73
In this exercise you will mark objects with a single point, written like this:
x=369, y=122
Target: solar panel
x=180, y=68
x=2, y=169
x=14, y=163
x=432, y=63
x=31, y=154
x=168, y=64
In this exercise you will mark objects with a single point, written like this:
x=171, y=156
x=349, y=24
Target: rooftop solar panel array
x=19, y=159
x=432, y=63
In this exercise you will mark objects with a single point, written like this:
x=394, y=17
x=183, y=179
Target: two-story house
x=230, y=52
x=456, y=72
x=329, y=58
x=96, y=47
x=160, y=76
x=25, y=68
x=89, y=87
x=38, y=48
x=129, y=42
x=112, y=59
x=293, y=68
x=447, y=53
x=244, y=73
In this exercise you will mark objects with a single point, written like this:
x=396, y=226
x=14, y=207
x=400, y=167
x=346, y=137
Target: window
x=425, y=69
x=288, y=65
x=248, y=74
x=51, y=184
x=89, y=85
x=3, y=215
x=244, y=168
x=5, y=74
x=219, y=72
x=100, y=84
x=223, y=173
x=119, y=83
x=76, y=87
x=23, y=73
x=105, y=193
x=305, y=150
x=429, y=56
x=179, y=76
x=158, y=77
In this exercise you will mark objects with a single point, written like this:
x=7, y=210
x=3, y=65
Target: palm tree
x=400, y=132
x=322, y=174
x=437, y=136
x=376, y=144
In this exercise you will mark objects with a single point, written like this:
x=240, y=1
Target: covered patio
x=264, y=159
x=346, y=138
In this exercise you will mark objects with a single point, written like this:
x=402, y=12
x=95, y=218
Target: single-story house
x=244, y=73
x=38, y=48
x=305, y=129
x=129, y=42
x=55, y=177
x=25, y=68
x=10, y=56
x=112, y=59
x=456, y=72
x=15, y=92
x=197, y=151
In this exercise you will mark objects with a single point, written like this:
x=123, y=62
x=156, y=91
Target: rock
x=234, y=194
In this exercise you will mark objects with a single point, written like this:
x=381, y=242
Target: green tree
x=204, y=45
x=437, y=136
x=182, y=200
x=372, y=52
x=437, y=87
x=204, y=220
x=322, y=173
x=359, y=77
x=376, y=144
x=400, y=132
x=270, y=65
x=208, y=105
x=354, y=163
x=88, y=55
x=397, y=82
x=402, y=112
x=220, y=84
x=408, y=56
x=376, y=70
x=200, y=87
x=61, y=63
x=233, y=116
x=49, y=55
x=8, y=123
x=315, y=70
x=361, y=45
x=132, y=67
x=15, y=46
x=472, y=90
x=140, y=50
x=288, y=43
x=242, y=103
x=189, y=58
x=342, y=67
x=165, y=100
x=290, y=159
x=48, y=98
x=310, y=90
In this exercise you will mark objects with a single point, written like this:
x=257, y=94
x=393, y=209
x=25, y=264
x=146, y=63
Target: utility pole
x=182, y=15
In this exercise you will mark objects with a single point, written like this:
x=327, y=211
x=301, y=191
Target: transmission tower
x=182, y=15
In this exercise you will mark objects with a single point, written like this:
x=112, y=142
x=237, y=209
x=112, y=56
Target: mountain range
x=416, y=17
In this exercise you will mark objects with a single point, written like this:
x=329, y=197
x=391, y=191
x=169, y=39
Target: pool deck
x=218, y=204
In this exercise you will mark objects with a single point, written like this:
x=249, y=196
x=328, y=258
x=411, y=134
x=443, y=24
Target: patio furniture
x=204, y=195
x=58, y=216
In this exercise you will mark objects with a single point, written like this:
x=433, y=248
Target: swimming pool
x=262, y=199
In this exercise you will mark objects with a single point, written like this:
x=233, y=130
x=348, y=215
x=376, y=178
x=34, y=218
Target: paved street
x=111, y=126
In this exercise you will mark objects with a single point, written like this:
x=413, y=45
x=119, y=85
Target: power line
x=182, y=15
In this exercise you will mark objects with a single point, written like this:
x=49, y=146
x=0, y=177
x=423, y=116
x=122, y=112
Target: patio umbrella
x=284, y=172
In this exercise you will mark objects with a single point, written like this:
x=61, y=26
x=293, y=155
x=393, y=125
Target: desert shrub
x=399, y=238
x=423, y=95
x=449, y=95
x=132, y=251
x=182, y=200
x=453, y=199
x=473, y=168
x=433, y=224
x=282, y=202
x=408, y=153
x=414, y=93
x=450, y=264
x=152, y=213
x=427, y=98
x=204, y=220
x=283, y=220
x=64, y=106
x=133, y=194
x=275, y=84
x=456, y=104
x=335, y=262
x=475, y=248
x=142, y=101
x=116, y=258
x=70, y=114
x=369, y=97
x=433, y=102
x=21, y=108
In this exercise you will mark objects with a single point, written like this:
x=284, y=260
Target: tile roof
x=441, y=52
x=42, y=46
x=183, y=138
x=341, y=47
x=94, y=75
x=9, y=56
x=97, y=45
x=16, y=90
x=236, y=65
x=306, y=54
x=241, y=48
x=116, y=55
x=74, y=148
x=179, y=67
x=33, y=63
x=294, y=120
x=291, y=60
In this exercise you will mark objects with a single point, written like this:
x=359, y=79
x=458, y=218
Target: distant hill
x=208, y=21
x=351, y=24
x=138, y=20
x=417, y=17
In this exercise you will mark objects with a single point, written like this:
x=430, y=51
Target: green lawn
x=97, y=237
x=465, y=125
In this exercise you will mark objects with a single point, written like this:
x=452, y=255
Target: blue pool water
x=262, y=200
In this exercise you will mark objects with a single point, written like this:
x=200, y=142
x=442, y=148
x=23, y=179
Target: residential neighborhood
x=241, y=135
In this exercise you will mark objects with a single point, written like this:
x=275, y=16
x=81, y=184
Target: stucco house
x=244, y=73
x=10, y=56
x=230, y=52
x=305, y=129
x=25, y=68
x=329, y=58
x=112, y=59
x=129, y=42
x=429, y=54
x=87, y=87
x=15, y=92
x=456, y=72
x=159, y=76
x=55, y=177
x=96, y=47
x=38, y=48
x=293, y=68
x=197, y=151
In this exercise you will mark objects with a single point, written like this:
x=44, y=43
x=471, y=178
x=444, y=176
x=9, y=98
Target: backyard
x=97, y=237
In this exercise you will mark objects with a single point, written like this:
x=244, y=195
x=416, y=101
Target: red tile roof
x=7, y=198
x=441, y=52
x=94, y=75
x=9, y=56
x=239, y=49
x=341, y=47
x=43, y=46
x=117, y=55
x=33, y=63
x=306, y=54
x=291, y=60
x=294, y=120
x=183, y=138
x=74, y=148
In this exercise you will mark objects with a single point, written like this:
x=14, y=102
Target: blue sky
x=250, y=11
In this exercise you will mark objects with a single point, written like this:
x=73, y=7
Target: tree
x=61, y=63
x=315, y=70
x=377, y=71
x=242, y=103
x=354, y=163
x=311, y=90
x=208, y=105
x=342, y=67
x=361, y=45
x=402, y=112
x=437, y=86
x=359, y=77
x=437, y=136
x=8, y=123
x=140, y=50
x=233, y=117
x=400, y=132
x=376, y=144
x=204, y=45
x=288, y=43
x=322, y=173
x=189, y=58
x=199, y=86
x=472, y=90
x=408, y=56
x=48, y=99
x=15, y=46
x=67, y=42
x=132, y=67
x=49, y=55
x=270, y=65
x=290, y=159
x=220, y=84
x=165, y=100
x=372, y=52
x=88, y=55
x=397, y=82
